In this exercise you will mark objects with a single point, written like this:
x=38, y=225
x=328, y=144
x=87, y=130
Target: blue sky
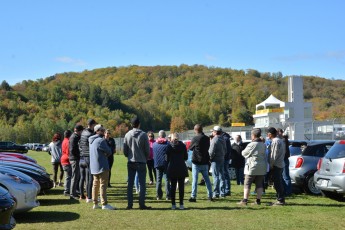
x=40, y=38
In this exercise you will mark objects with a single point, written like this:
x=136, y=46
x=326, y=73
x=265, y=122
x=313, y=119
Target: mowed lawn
x=58, y=212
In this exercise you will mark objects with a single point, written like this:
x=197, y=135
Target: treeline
x=164, y=97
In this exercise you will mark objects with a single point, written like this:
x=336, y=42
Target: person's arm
x=104, y=147
x=274, y=149
x=185, y=154
x=192, y=144
x=212, y=149
x=125, y=147
x=247, y=152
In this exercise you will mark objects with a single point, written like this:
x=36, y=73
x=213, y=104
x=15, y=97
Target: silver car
x=302, y=167
x=330, y=177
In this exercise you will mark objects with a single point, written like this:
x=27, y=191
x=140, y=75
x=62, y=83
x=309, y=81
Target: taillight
x=319, y=164
x=344, y=168
x=299, y=162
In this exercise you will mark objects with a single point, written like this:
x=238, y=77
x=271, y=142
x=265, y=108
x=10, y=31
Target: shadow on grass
x=53, y=192
x=51, y=202
x=315, y=205
x=46, y=217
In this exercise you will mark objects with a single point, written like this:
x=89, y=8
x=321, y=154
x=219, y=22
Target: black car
x=9, y=146
x=7, y=206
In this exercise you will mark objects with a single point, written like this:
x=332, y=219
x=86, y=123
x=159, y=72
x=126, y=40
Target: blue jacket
x=160, y=149
x=99, y=152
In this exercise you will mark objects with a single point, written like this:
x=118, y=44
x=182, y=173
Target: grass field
x=58, y=212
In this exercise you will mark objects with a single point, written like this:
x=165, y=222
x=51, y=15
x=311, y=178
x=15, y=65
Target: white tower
x=296, y=111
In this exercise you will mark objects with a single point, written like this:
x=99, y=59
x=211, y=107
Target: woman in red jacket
x=65, y=162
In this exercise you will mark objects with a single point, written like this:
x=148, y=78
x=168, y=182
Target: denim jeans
x=239, y=176
x=203, y=169
x=161, y=174
x=68, y=174
x=278, y=183
x=218, y=178
x=132, y=169
x=227, y=182
x=100, y=184
x=287, y=179
x=75, y=178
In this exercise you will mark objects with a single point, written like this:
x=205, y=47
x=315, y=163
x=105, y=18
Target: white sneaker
x=87, y=200
x=173, y=207
x=96, y=206
x=181, y=207
x=108, y=207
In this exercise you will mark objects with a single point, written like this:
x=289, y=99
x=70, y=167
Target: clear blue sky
x=40, y=38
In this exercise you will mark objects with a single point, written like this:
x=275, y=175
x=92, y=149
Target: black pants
x=152, y=171
x=278, y=183
x=110, y=162
x=56, y=166
x=180, y=190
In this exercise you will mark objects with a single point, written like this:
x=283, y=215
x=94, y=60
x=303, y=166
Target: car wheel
x=333, y=195
x=309, y=186
x=232, y=173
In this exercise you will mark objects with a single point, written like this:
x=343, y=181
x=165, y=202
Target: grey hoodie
x=136, y=146
x=217, y=149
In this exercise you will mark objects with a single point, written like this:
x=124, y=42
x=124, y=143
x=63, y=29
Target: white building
x=291, y=116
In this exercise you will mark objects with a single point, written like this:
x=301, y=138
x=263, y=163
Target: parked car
x=330, y=177
x=22, y=189
x=9, y=146
x=45, y=148
x=7, y=207
x=17, y=155
x=38, y=147
x=302, y=167
x=41, y=176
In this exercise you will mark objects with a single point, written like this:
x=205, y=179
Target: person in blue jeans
x=160, y=148
x=137, y=149
x=217, y=152
x=227, y=157
x=286, y=174
x=200, y=145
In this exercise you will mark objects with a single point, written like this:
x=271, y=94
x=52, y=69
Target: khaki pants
x=100, y=183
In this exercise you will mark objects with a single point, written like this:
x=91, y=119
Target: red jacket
x=65, y=152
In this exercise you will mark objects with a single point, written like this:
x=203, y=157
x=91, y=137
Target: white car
x=22, y=187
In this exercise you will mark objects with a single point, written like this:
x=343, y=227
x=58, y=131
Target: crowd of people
x=85, y=157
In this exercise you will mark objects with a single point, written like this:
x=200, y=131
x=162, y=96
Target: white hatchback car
x=330, y=177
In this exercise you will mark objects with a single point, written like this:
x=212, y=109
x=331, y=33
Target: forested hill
x=179, y=96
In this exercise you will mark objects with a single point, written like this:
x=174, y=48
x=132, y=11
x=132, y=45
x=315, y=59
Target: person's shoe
x=278, y=203
x=158, y=198
x=167, y=198
x=66, y=194
x=108, y=207
x=151, y=183
x=243, y=202
x=227, y=194
x=145, y=207
x=173, y=207
x=210, y=199
x=96, y=206
x=181, y=207
x=54, y=185
x=109, y=186
x=129, y=207
x=82, y=197
x=215, y=197
x=192, y=199
x=74, y=198
x=253, y=193
x=88, y=200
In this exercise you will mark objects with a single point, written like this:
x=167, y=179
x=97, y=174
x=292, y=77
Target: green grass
x=58, y=212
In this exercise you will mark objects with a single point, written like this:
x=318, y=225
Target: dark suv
x=9, y=146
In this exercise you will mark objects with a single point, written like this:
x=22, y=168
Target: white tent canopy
x=270, y=101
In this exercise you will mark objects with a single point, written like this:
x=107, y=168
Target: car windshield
x=337, y=151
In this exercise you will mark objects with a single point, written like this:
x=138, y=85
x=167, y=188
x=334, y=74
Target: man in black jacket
x=74, y=158
x=227, y=157
x=85, y=154
x=200, y=159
